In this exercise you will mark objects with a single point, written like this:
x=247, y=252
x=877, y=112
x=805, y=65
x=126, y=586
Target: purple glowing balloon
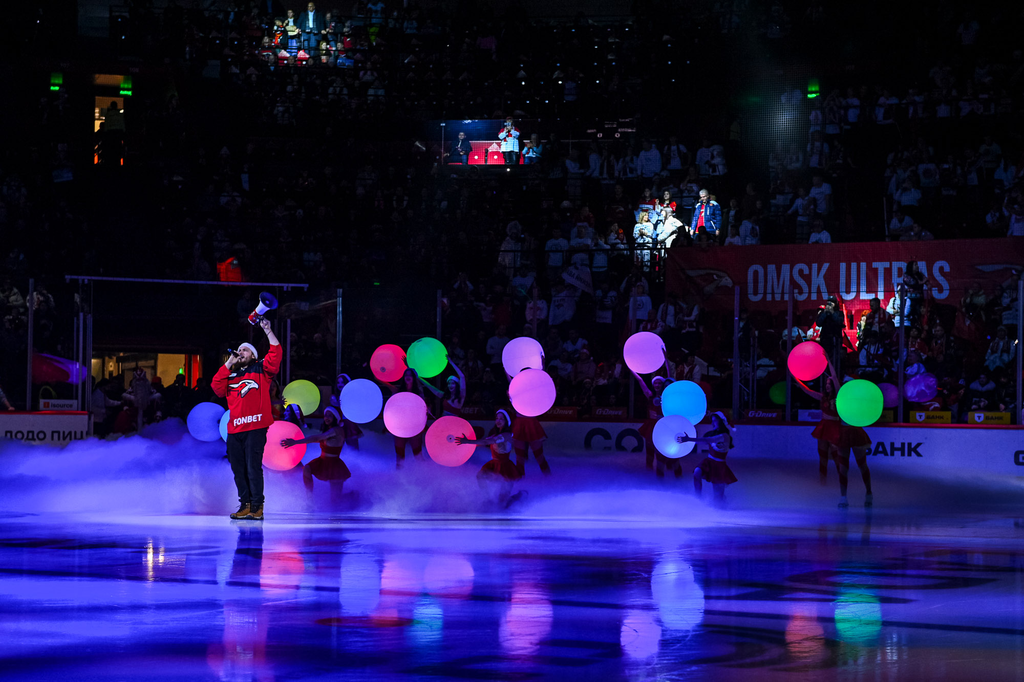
x=921, y=389
x=890, y=395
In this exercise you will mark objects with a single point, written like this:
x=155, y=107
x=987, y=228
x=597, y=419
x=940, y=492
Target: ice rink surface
x=117, y=562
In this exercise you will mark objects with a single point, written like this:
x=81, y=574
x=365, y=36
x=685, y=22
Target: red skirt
x=527, y=430
x=853, y=437
x=647, y=429
x=716, y=471
x=828, y=430
x=329, y=469
x=502, y=468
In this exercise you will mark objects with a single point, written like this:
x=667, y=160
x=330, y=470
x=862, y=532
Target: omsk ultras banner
x=854, y=273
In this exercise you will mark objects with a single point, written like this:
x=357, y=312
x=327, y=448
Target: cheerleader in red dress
x=527, y=433
x=713, y=468
x=500, y=468
x=856, y=439
x=455, y=398
x=653, y=395
x=328, y=466
x=352, y=431
x=411, y=383
x=828, y=429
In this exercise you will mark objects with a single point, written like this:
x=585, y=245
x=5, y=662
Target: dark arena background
x=431, y=340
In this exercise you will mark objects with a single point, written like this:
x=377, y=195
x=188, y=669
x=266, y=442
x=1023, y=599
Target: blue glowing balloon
x=204, y=421
x=224, y=425
x=667, y=432
x=686, y=399
x=361, y=401
x=921, y=388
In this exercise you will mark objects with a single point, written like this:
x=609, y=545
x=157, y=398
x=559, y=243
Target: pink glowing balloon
x=388, y=363
x=441, y=445
x=644, y=352
x=281, y=458
x=890, y=395
x=405, y=414
x=522, y=353
x=532, y=392
x=807, y=361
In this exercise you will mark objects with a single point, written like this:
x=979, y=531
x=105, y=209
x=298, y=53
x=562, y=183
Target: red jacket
x=248, y=392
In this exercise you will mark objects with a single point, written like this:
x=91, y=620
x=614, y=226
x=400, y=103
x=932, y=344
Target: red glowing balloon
x=441, y=445
x=388, y=363
x=405, y=414
x=280, y=458
x=807, y=361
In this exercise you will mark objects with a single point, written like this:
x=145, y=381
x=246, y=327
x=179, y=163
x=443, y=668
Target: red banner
x=854, y=273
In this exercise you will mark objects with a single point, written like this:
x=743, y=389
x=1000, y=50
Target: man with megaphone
x=245, y=381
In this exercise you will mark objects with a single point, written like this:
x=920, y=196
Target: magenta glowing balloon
x=532, y=392
x=807, y=361
x=644, y=352
x=441, y=445
x=921, y=389
x=388, y=363
x=405, y=414
x=522, y=353
x=890, y=395
x=278, y=457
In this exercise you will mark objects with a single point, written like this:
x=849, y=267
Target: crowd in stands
x=319, y=177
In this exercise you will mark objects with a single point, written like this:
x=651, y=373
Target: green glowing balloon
x=427, y=356
x=860, y=402
x=303, y=393
x=777, y=393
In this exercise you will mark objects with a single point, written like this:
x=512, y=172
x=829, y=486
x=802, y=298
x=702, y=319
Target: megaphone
x=266, y=304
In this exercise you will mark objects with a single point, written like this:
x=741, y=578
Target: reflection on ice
x=679, y=598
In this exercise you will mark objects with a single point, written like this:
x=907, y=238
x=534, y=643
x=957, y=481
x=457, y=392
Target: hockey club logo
x=244, y=386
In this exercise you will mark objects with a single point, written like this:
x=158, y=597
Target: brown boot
x=256, y=513
x=242, y=513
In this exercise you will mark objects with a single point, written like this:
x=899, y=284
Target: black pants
x=245, y=454
x=511, y=158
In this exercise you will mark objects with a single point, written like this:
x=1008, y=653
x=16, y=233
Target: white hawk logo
x=246, y=386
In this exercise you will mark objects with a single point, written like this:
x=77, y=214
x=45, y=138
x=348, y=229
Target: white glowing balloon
x=522, y=353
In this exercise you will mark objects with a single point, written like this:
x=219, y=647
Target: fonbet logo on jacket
x=246, y=386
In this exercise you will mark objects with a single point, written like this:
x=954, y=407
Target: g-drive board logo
x=1018, y=458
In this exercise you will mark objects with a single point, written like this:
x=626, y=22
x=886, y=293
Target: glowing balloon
x=532, y=392
x=666, y=432
x=777, y=393
x=203, y=421
x=303, y=393
x=859, y=402
x=522, y=353
x=807, y=361
x=360, y=401
x=684, y=398
x=921, y=389
x=890, y=395
x=224, y=425
x=280, y=458
x=440, y=441
x=405, y=414
x=428, y=357
x=644, y=352
x=388, y=363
